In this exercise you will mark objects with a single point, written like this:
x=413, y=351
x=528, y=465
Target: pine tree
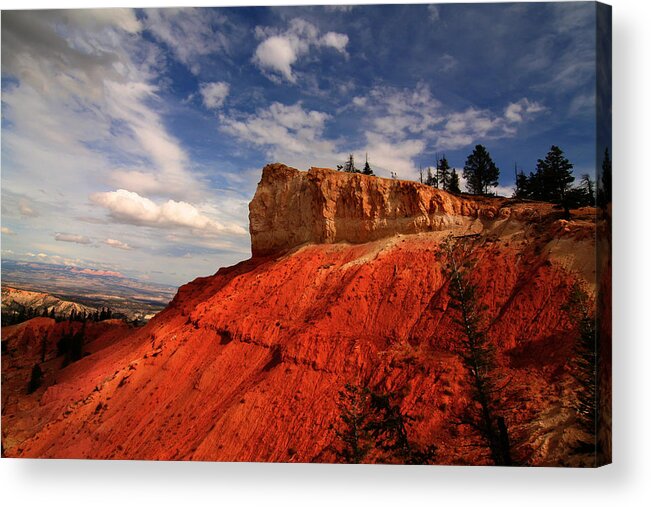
x=476, y=353
x=431, y=179
x=554, y=176
x=389, y=430
x=605, y=191
x=35, y=379
x=355, y=413
x=587, y=184
x=585, y=363
x=454, y=183
x=43, y=348
x=521, y=186
x=374, y=429
x=367, y=168
x=480, y=171
x=349, y=165
x=443, y=174
x=77, y=344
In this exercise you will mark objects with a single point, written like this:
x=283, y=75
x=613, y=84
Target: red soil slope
x=246, y=365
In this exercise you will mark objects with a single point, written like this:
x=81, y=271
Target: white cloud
x=277, y=54
x=8, y=231
x=188, y=32
x=214, y=94
x=288, y=133
x=335, y=40
x=279, y=51
x=132, y=208
x=387, y=155
x=504, y=190
x=84, y=91
x=72, y=238
x=517, y=111
x=398, y=125
x=116, y=243
x=401, y=114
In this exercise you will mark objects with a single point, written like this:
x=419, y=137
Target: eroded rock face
x=247, y=364
x=293, y=207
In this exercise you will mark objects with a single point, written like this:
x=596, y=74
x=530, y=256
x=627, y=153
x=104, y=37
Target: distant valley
x=67, y=288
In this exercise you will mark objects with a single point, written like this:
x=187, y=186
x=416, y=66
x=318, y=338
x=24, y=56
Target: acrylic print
x=332, y=234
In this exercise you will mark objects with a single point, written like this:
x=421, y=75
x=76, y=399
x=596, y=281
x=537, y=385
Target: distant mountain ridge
x=39, y=303
x=133, y=299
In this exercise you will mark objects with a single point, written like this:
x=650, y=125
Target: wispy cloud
x=116, y=243
x=72, y=238
x=189, y=33
x=288, y=133
x=397, y=124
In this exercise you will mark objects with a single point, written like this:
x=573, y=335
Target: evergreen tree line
x=552, y=181
x=26, y=313
x=349, y=166
x=70, y=346
x=444, y=177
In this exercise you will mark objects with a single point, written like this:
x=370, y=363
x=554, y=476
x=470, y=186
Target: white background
x=626, y=482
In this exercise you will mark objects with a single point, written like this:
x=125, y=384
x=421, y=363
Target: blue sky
x=132, y=140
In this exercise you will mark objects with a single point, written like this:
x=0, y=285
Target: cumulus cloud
x=279, y=51
x=335, y=40
x=214, y=94
x=132, y=208
x=72, y=238
x=277, y=54
x=116, y=243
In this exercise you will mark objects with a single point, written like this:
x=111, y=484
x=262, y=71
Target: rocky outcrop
x=292, y=207
x=247, y=364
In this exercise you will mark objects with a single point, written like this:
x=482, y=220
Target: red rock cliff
x=245, y=365
x=292, y=207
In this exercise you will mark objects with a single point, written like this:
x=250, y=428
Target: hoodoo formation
x=345, y=285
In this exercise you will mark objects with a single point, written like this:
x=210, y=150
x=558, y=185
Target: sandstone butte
x=344, y=285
